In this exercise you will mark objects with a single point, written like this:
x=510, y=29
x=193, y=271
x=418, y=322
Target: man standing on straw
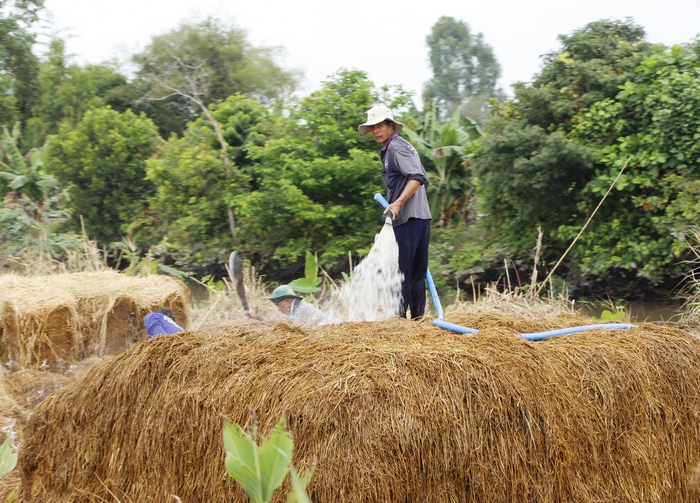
x=406, y=181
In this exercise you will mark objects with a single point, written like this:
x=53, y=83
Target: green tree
x=316, y=177
x=67, y=91
x=194, y=190
x=445, y=149
x=530, y=170
x=465, y=70
x=550, y=155
x=528, y=178
x=653, y=122
x=183, y=71
x=103, y=162
x=18, y=64
x=590, y=65
x=23, y=174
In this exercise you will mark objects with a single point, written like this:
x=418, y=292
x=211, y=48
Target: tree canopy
x=465, y=69
x=67, y=91
x=103, y=163
x=550, y=155
x=18, y=64
x=208, y=59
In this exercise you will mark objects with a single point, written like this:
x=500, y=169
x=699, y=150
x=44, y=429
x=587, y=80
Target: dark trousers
x=413, y=238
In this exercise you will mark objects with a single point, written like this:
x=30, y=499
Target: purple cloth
x=159, y=324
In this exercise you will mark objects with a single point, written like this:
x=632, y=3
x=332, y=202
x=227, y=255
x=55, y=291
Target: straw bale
x=11, y=416
x=38, y=327
x=9, y=483
x=113, y=305
x=10, y=411
x=28, y=387
x=56, y=320
x=396, y=411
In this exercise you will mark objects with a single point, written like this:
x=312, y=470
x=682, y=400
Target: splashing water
x=374, y=292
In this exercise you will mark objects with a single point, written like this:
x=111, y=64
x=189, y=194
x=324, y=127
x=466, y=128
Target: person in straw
x=406, y=181
x=291, y=305
x=161, y=322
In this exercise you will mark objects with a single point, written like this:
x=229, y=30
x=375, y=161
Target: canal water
x=638, y=312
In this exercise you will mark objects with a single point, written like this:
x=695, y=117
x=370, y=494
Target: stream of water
x=374, y=291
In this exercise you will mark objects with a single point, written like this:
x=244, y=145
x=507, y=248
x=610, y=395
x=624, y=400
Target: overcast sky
x=385, y=39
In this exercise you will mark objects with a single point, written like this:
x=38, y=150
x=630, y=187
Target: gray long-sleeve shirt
x=401, y=164
x=301, y=309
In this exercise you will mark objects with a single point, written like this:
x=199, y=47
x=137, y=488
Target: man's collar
x=393, y=135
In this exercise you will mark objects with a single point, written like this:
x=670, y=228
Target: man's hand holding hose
x=395, y=208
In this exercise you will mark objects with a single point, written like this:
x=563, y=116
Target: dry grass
x=9, y=483
x=53, y=321
x=516, y=302
x=37, y=261
x=224, y=307
x=28, y=388
x=392, y=411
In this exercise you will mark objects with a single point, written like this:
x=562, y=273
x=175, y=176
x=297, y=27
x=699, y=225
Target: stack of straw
x=393, y=411
x=53, y=321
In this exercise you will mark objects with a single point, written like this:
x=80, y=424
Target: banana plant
x=444, y=150
x=309, y=283
x=22, y=172
x=260, y=469
x=8, y=458
x=8, y=461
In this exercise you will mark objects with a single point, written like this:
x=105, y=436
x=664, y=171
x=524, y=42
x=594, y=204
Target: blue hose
x=381, y=200
x=428, y=277
x=538, y=336
x=434, y=295
x=563, y=331
x=440, y=322
x=453, y=327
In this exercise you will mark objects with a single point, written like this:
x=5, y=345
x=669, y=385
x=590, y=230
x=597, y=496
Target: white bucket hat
x=378, y=114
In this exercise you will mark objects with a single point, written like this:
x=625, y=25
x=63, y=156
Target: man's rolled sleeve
x=409, y=165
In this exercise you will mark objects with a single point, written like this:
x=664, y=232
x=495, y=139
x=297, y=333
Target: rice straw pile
x=28, y=388
x=395, y=411
x=53, y=321
x=515, y=302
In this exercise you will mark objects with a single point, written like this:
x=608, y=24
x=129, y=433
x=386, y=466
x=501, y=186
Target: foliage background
x=205, y=148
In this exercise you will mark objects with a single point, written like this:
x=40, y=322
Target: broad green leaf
x=242, y=461
x=298, y=493
x=301, y=285
x=275, y=456
x=48, y=182
x=311, y=268
x=8, y=458
x=171, y=271
x=609, y=316
x=18, y=182
x=12, y=152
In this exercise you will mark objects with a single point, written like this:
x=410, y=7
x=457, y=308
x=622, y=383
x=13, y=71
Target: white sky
x=385, y=39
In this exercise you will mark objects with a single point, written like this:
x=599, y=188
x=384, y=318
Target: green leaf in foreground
x=12, y=496
x=260, y=470
x=607, y=315
x=8, y=458
x=299, y=483
x=275, y=456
